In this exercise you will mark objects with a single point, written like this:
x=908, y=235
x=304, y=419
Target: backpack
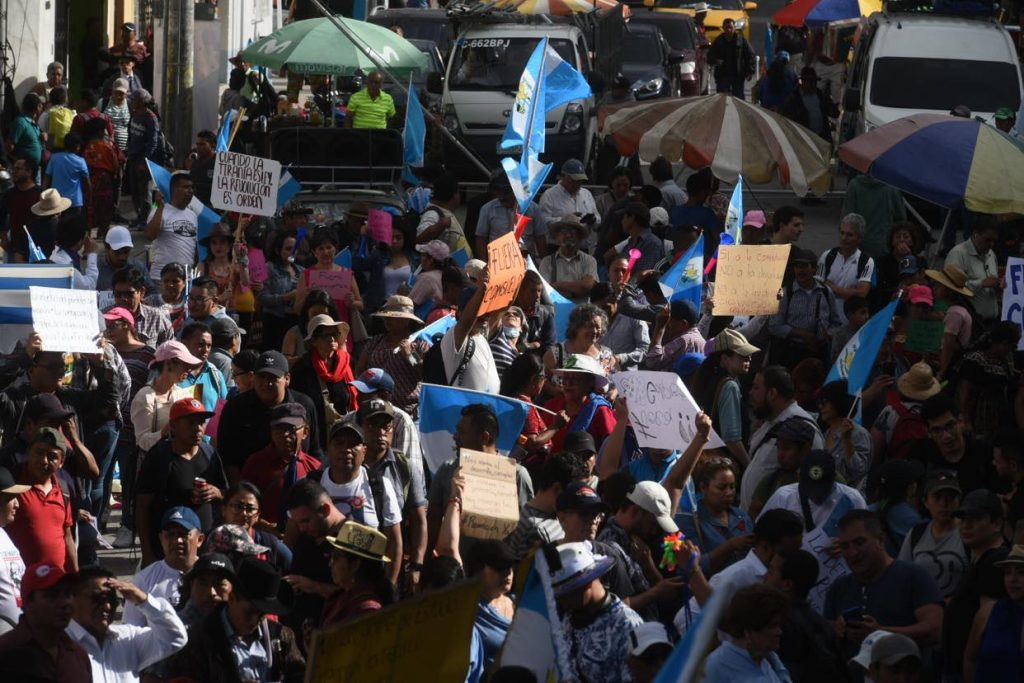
x=59, y=125
x=862, y=264
x=910, y=427
x=164, y=150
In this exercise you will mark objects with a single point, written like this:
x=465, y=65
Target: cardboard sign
x=66, y=319
x=401, y=642
x=337, y=283
x=507, y=268
x=1013, y=295
x=245, y=184
x=924, y=336
x=257, y=265
x=378, y=224
x=748, y=279
x=490, y=503
x=661, y=409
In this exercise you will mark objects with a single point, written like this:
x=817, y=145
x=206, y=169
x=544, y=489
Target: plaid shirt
x=153, y=325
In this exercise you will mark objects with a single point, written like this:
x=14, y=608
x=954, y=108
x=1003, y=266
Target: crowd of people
x=261, y=435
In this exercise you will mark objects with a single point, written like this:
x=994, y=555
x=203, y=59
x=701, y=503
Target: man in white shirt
x=72, y=236
x=498, y=216
x=771, y=397
x=118, y=652
x=12, y=566
x=180, y=536
x=569, y=196
x=474, y=370
x=173, y=226
x=845, y=269
x=817, y=497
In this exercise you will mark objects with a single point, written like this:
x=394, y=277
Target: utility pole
x=179, y=57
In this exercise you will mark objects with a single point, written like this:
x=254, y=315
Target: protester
x=324, y=373
x=358, y=570
x=400, y=322
x=754, y=621
x=993, y=648
x=13, y=566
x=180, y=534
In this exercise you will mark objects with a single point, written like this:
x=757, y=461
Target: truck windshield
x=924, y=83
x=497, y=63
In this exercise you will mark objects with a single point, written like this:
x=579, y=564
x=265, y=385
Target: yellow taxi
x=717, y=12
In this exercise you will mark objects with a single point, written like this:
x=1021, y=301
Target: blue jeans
x=730, y=84
x=101, y=442
x=127, y=457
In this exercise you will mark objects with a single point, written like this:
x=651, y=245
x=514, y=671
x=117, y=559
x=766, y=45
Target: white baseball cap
x=118, y=237
x=647, y=634
x=863, y=657
x=652, y=497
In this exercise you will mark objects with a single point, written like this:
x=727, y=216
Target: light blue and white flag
x=857, y=358
x=687, y=658
x=525, y=130
x=206, y=217
x=413, y=136
x=344, y=258
x=439, y=326
x=686, y=276
x=15, y=304
x=734, y=216
x=35, y=254
x=563, y=307
x=526, y=178
x=224, y=136
x=287, y=188
x=440, y=410
x=461, y=257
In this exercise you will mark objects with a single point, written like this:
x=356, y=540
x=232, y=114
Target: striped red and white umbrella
x=730, y=135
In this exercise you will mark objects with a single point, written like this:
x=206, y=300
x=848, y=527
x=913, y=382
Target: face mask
x=510, y=332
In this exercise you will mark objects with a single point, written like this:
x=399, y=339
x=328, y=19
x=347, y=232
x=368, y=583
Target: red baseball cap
x=188, y=406
x=119, y=313
x=39, y=577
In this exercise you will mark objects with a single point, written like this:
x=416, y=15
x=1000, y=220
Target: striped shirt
x=121, y=118
x=370, y=113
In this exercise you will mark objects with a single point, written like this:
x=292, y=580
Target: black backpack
x=433, y=363
x=862, y=262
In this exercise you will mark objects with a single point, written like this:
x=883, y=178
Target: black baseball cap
x=46, y=407
x=288, y=414
x=817, y=475
x=803, y=256
x=212, y=563
x=579, y=442
x=980, y=501
x=942, y=480
x=272, y=363
x=344, y=425
x=579, y=496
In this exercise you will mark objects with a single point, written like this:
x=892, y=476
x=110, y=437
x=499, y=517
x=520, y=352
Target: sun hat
x=41, y=576
x=920, y=294
x=754, y=219
x=119, y=313
x=574, y=169
x=232, y=538
x=893, y=648
x=918, y=383
x=1015, y=557
x=260, y=583
x=219, y=230
x=569, y=221
x=951, y=276
x=324, y=320
x=863, y=657
x=579, y=567
x=700, y=8
x=50, y=203
x=435, y=249
x=731, y=340
x=398, y=306
x=174, y=350
x=8, y=485
x=581, y=362
x=373, y=380
x=652, y=497
x=647, y=634
x=118, y=237
x=361, y=541
x=187, y=407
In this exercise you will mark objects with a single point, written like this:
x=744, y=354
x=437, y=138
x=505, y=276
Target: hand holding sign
x=661, y=410
x=748, y=279
x=66, y=319
x=337, y=283
x=506, y=268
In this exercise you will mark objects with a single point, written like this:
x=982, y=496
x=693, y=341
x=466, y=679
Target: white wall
x=241, y=22
x=30, y=31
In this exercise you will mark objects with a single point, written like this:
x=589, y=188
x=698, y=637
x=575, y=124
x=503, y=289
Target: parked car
x=649, y=63
x=683, y=37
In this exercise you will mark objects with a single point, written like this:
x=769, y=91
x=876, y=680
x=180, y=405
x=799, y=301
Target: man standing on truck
x=733, y=59
x=371, y=107
x=568, y=197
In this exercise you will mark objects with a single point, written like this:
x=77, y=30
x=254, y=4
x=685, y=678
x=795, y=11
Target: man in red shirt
x=278, y=466
x=42, y=529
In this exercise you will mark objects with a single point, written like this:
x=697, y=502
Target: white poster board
x=66, y=319
x=661, y=409
x=245, y=184
x=830, y=569
x=1013, y=295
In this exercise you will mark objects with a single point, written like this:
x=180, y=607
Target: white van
x=480, y=85
x=910, y=63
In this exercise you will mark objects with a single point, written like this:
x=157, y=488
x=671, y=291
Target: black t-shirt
x=313, y=561
x=246, y=419
x=983, y=579
x=974, y=470
x=202, y=177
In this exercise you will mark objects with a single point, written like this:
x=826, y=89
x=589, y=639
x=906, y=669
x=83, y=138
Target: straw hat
x=324, y=320
x=362, y=541
x=918, y=383
x=1016, y=556
x=951, y=276
x=50, y=203
x=398, y=306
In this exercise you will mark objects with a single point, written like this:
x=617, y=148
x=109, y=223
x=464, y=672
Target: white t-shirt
x=176, y=242
x=355, y=500
x=844, y=273
x=480, y=373
x=12, y=568
x=160, y=580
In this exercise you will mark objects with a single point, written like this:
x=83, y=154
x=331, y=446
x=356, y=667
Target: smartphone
x=855, y=613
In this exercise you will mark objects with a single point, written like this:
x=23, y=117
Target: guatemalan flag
x=857, y=358
x=224, y=135
x=686, y=276
x=685, y=662
x=439, y=326
x=734, y=215
x=563, y=307
x=414, y=136
x=440, y=410
x=15, y=305
x=525, y=130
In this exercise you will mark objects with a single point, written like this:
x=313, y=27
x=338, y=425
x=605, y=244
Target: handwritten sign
x=661, y=409
x=378, y=224
x=245, y=183
x=924, y=336
x=507, y=267
x=830, y=569
x=257, y=265
x=66, y=319
x=748, y=279
x=337, y=283
x=490, y=503
x=1013, y=294
x=401, y=642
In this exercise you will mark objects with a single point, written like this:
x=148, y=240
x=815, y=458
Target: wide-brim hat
x=50, y=203
x=324, y=320
x=581, y=362
x=570, y=221
x=1015, y=557
x=360, y=540
x=260, y=583
x=398, y=306
x=951, y=276
x=579, y=568
x=222, y=230
x=918, y=383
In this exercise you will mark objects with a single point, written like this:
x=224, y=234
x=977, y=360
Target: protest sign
x=257, y=265
x=66, y=319
x=490, y=503
x=924, y=336
x=401, y=642
x=661, y=409
x=1013, y=295
x=105, y=299
x=246, y=184
x=830, y=569
x=337, y=283
x=748, y=279
x=507, y=267
x=378, y=224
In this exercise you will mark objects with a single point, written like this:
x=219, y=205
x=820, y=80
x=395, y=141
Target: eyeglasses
x=244, y=508
x=110, y=597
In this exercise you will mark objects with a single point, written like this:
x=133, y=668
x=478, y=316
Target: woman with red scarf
x=324, y=373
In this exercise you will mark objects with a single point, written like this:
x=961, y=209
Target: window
x=924, y=83
x=497, y=63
